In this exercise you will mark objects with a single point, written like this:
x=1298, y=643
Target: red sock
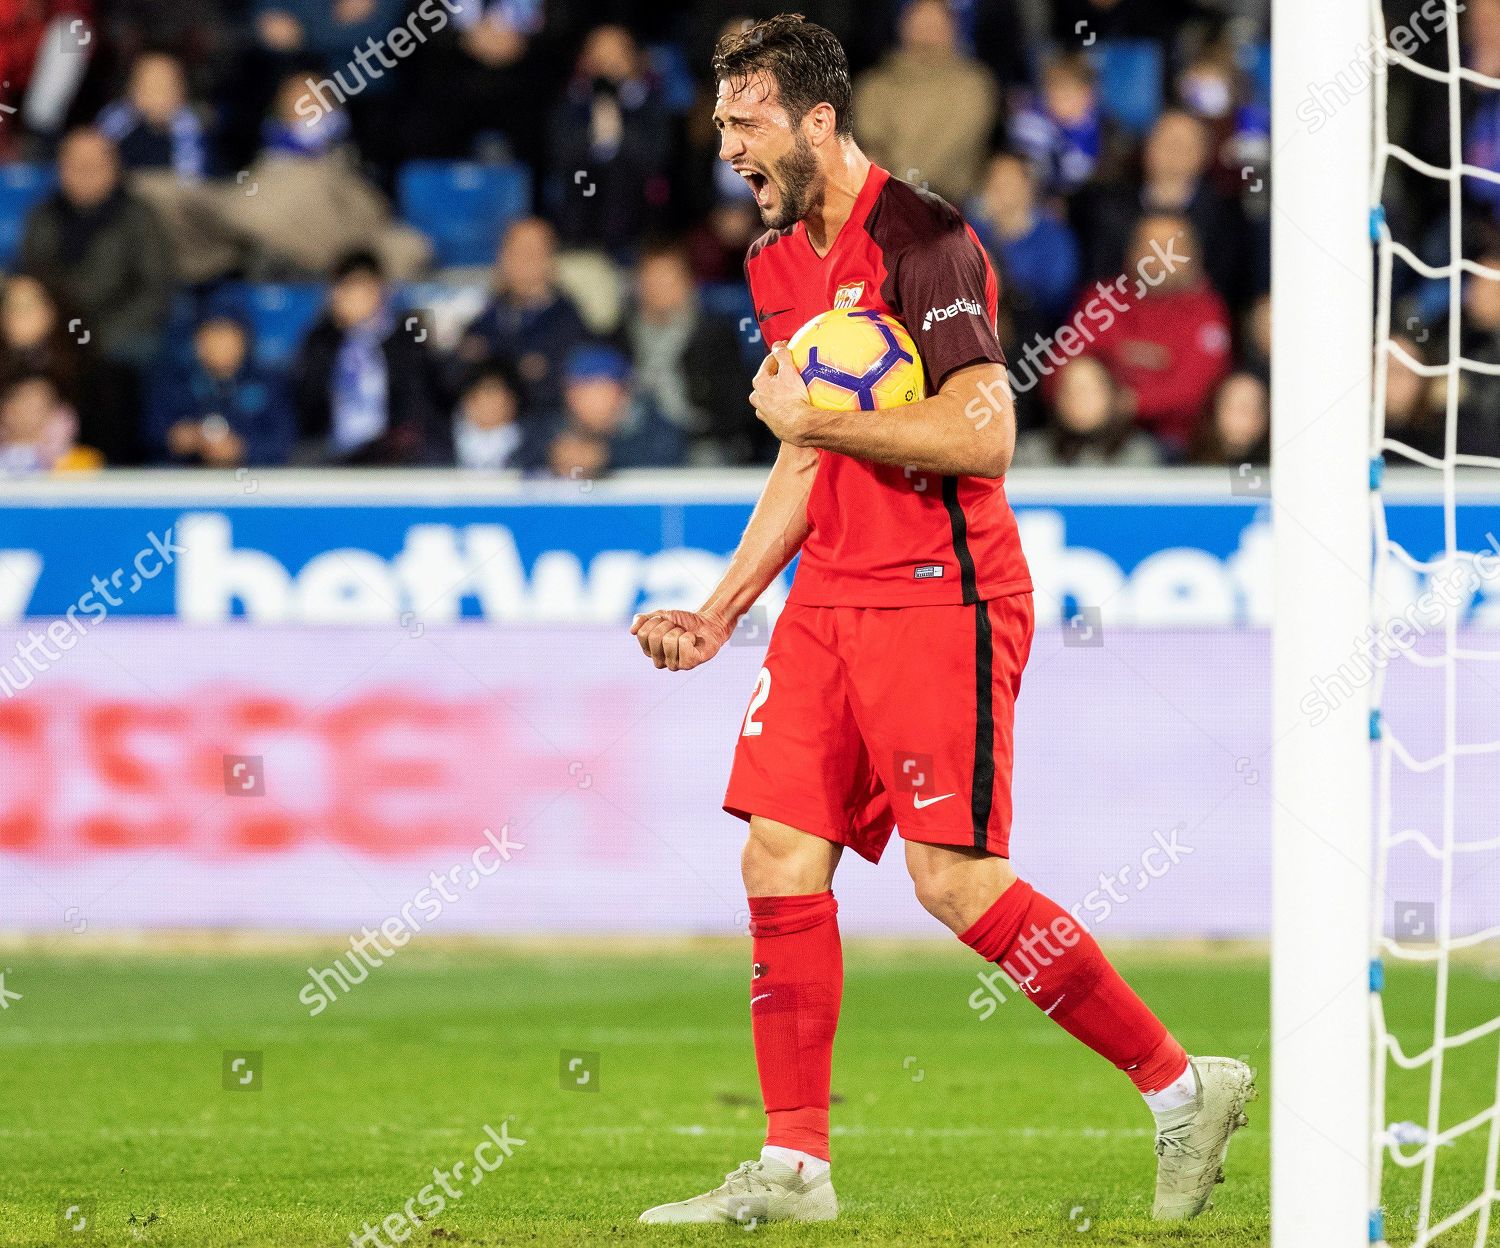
x=796, y=986
x=1061, y=968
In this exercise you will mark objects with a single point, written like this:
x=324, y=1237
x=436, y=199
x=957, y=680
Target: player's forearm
x=946, y=434
x=777, y=528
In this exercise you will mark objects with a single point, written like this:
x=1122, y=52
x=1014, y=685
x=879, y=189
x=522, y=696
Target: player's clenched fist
x=780, y=397
x=679, y=640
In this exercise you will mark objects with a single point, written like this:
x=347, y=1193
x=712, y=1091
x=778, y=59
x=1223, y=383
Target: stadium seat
x=669, y=63
x=726, y=299
x=463, y=207
x=280, y=316
x=1255, y=60
x=446, y=310
x=21, y=188
x=732, y=300
x=1130, y=82
x=177, y=335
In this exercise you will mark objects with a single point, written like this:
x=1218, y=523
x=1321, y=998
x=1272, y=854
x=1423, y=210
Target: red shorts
x=866, y=718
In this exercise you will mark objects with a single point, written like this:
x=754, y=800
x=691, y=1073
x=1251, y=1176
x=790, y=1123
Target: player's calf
x=1062, y=970
x=1198, y=1103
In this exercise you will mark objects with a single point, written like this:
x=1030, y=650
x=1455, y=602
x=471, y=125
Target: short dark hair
x=1074, y=65
x=361, y=261
x=496, y=368
x=665, y=247
x=806, y=62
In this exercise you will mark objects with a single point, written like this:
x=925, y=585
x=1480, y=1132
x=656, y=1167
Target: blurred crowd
x=1425, y=314
x=219, y=255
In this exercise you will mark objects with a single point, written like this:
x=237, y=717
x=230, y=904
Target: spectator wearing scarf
x=154, y=125
x=364, y=385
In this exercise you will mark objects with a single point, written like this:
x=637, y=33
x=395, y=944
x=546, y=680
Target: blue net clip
x=1377, y=1226
x=1377, y=471
x=1377, y=219
x=1377, y=975
x=1376, y=726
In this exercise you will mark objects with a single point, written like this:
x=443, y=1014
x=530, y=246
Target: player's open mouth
x=759, y=184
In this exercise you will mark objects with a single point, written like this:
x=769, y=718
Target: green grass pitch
x=949, y=1130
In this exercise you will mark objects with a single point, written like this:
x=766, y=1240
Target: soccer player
x=888, y=692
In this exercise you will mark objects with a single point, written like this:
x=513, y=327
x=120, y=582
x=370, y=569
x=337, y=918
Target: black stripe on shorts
x=982, y=794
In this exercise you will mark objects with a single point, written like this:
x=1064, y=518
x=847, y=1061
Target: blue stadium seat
x=21, y=188
x=177, y=333
x=732, y=300
x=1130, y=82
x=463, y=207
x=726, y=299
x=445, y=309
x=679, y=92
x=1255, y=60
x=280, y=316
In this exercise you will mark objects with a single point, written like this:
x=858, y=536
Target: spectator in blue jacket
x=603, y=426
x=221, y=410
x=529, y=323
x=1037, y=253
x=1061, y=127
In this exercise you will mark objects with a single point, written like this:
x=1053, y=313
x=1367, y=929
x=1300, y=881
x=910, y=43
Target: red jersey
x=885, y=536
x=1171, y=348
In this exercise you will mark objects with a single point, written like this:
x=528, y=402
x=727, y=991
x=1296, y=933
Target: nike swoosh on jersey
x=763, y=316
x=761, y=997
x=921, y=803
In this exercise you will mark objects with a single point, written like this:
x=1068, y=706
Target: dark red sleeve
x=947, y=296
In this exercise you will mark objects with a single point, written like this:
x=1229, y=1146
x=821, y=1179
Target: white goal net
x=1431, y=661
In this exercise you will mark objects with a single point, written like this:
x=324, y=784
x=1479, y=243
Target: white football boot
x=1191, y=1142
x=759, y=1191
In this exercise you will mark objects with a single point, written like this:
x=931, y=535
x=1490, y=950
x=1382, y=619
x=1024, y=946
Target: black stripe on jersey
x=960, y=526
x=982, y=792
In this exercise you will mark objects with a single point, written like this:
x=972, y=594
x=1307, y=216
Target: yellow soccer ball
x=857, y=359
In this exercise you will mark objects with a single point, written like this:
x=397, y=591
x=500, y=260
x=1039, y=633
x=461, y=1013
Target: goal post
x=1322, y=346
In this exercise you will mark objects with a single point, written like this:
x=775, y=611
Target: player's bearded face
x=793, y=180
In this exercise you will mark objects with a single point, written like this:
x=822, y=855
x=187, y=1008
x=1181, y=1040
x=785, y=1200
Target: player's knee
x=954, y=886
x=771, y=870
x=940, y=896
x=778, y=861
